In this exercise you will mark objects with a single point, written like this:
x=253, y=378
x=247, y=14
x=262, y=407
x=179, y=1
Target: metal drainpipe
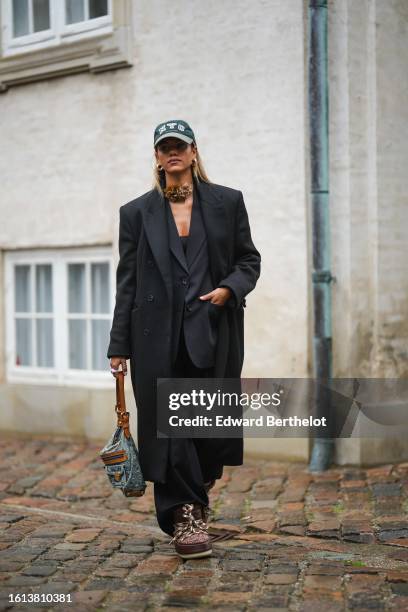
x=321, y=277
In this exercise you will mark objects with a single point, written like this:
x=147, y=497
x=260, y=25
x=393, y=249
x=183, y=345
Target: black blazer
x=234, y=260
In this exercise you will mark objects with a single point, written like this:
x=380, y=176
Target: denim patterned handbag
x=120, y=454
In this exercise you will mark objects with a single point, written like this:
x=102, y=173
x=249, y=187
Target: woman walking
x=187, y=261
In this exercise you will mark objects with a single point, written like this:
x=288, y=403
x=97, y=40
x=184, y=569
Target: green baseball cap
x=176, y=128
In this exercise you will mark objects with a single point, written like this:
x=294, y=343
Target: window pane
x=22, y=288
x=41, y=14
x=74, y=11
x=23, y=341
x=98, y=8
x=100, y=287
x=100, y=336
x=45, y=345
x=43, y=288
x=77, y=343
x=20, y=17
x=76, y=288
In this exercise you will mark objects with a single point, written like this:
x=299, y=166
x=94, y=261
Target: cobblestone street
x=333, y=541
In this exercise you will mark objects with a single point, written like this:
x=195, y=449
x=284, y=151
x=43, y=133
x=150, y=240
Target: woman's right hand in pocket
x=115, y=362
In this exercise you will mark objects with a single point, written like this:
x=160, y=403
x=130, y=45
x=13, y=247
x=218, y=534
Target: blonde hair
x=197, y=169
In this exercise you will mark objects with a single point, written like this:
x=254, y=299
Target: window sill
x=87, y=379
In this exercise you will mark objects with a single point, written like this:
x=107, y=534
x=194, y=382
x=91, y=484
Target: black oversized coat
x=141, y=327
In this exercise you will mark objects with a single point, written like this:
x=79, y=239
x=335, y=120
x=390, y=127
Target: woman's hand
x=218, y=296
x=115, y=362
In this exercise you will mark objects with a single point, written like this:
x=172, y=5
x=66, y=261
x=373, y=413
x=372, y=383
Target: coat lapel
x=216, y=227
x=197, y=231
x=157, y=235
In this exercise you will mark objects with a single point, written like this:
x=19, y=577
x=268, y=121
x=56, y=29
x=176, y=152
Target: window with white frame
x=59, y=313
x=40, y=23
x=43, y=38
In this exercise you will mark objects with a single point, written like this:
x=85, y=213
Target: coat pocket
x=217, y=307
x=214, y=313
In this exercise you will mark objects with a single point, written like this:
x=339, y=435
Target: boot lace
x=188, y=527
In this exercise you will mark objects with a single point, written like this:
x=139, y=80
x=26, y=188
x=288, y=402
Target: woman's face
x=174, y=155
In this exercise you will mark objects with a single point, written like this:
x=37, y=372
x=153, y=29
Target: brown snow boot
x=191, y=539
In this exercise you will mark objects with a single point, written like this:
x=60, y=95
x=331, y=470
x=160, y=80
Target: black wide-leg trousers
x=190, y=462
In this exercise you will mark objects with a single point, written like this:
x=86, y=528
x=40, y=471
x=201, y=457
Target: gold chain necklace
x=178, y=193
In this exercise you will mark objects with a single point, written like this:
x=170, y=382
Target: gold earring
x=193, y=163
x=159, y=167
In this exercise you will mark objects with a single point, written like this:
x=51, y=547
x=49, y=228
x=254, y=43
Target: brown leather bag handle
x=120, y=407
